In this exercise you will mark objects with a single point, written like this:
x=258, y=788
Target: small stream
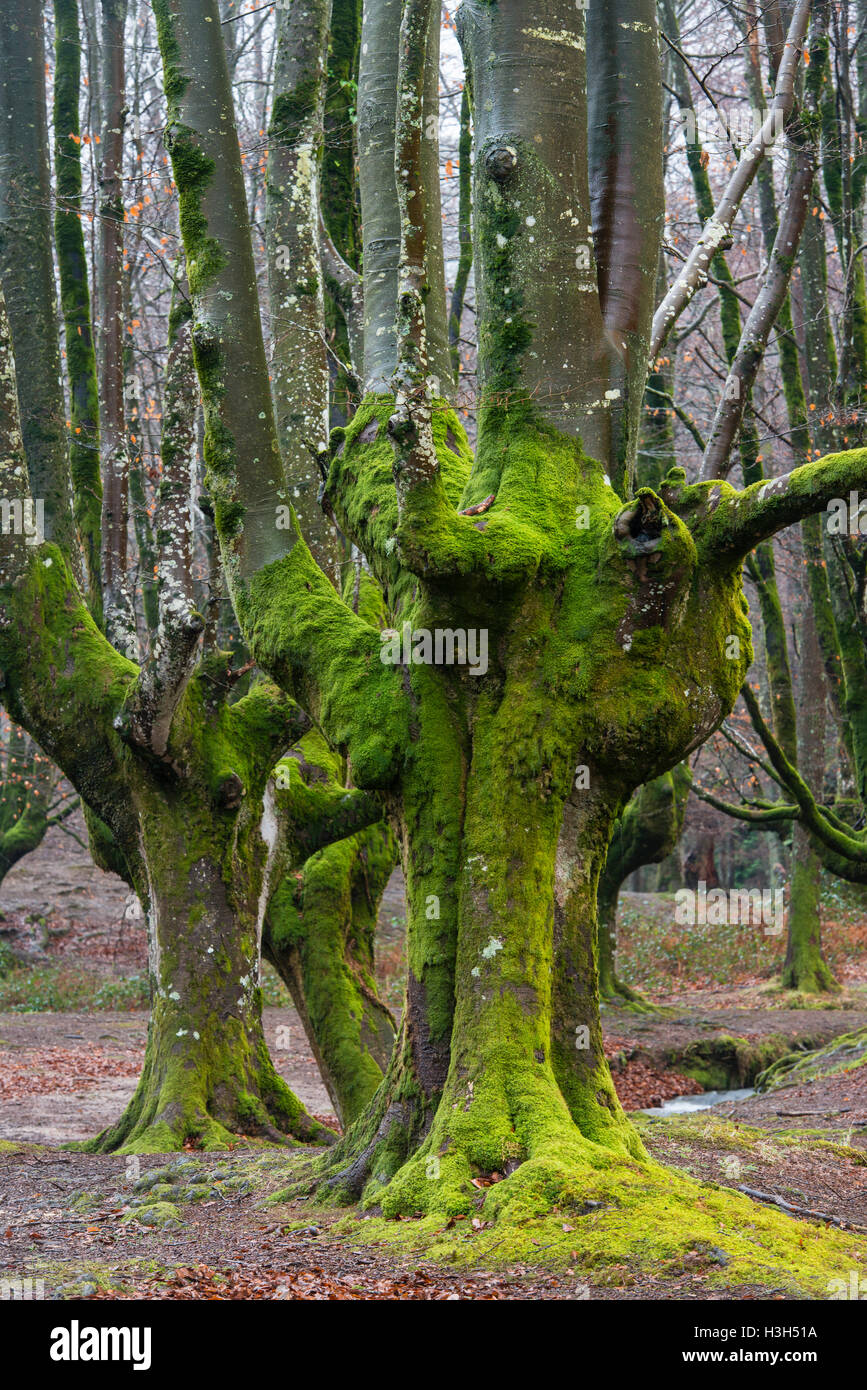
x=705, y=1100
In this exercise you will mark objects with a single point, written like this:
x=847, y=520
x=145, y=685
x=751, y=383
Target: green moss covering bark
x=607, y=626
x=75, y=298
x=320, y=926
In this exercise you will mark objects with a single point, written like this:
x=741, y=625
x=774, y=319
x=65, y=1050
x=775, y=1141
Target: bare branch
x=717, y=230
x=761, y=319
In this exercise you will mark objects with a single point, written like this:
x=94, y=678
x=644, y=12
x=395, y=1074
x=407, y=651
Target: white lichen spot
x=493, y=946
x=560, y=36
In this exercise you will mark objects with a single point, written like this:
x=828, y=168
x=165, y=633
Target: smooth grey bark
x=380, y=215
x=245, y=473
x=26, y=266
x=465, y=233
x=541, y=333
x=624, y=116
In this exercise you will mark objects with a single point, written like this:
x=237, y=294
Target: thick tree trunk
x=207, y=1075
x=200, y=859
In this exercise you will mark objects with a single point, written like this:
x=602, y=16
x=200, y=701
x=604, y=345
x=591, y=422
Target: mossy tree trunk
x=319, y=935
x=173, y=776
x=299, y=363
x=605, y=618
x=805, y=967
x=26, y=267
x=75, y=298
x=320, y=923
x=202, y=874
x=28, y=784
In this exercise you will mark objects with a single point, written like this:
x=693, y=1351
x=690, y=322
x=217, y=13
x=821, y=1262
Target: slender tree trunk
x=380, y=215
x=299, y=364
x=75, y=299
x=805, y=967
x=319, y=935
x=26, y=267
x=646, y=833
x=119, y=616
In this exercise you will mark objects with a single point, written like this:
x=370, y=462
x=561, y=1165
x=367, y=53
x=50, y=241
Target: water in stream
x=686, y=1105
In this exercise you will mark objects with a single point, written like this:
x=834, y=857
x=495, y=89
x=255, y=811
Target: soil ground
x=71, y=1219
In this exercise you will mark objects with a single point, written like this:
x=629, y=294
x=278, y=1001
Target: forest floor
x=72, y=1034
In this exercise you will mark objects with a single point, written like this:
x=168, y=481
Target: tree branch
x=717, y=230
x=728, y=523
x=761, y=319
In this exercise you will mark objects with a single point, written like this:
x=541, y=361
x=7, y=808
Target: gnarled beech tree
x=607, y=611
x=176, y=772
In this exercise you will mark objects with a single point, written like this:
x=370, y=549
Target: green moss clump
x=160, y=1215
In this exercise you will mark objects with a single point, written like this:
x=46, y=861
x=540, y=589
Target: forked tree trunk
x=607, y=621
x=197, y=847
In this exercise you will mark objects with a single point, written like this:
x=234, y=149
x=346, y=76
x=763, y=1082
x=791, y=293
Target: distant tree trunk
x=699, y=865
x=645, y=834
x=805, y=967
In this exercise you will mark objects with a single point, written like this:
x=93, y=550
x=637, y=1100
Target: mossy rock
x=83, y=1201
x=157, y=1177
x=728, y=1062
x=159, y=1214
x=160, y=1192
